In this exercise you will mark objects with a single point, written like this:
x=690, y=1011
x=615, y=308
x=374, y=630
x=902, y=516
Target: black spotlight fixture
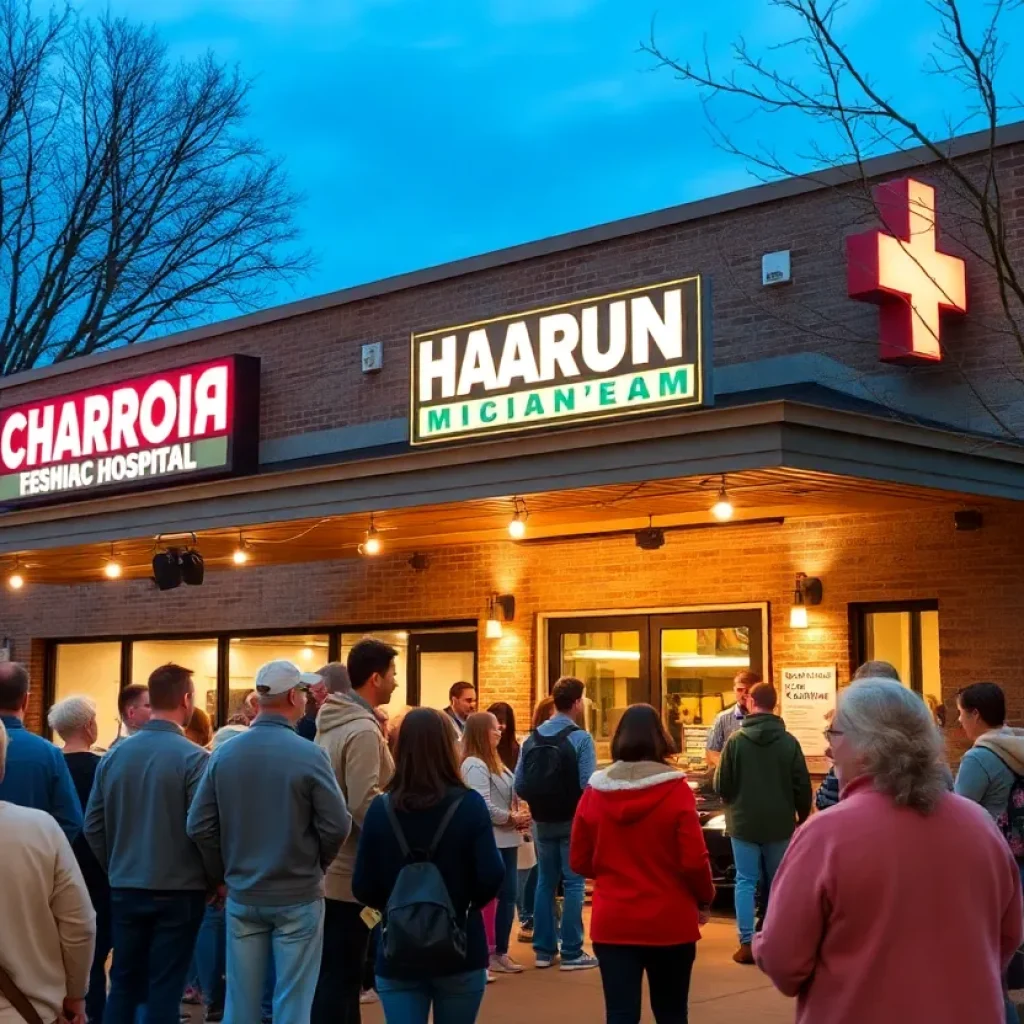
x=175, y=566
x=650, y=538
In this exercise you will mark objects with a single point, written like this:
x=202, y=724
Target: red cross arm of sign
x=902, y=271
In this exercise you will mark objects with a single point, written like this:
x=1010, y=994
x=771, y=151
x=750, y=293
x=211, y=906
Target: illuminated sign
x=197, y=421
x=902, y=270
x=637, y=351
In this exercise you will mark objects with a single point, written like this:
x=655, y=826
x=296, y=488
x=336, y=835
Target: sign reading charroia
x=200, y=420
x=632, y=352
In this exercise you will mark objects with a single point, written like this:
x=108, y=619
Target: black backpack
x=421, y=931
x=551, y=776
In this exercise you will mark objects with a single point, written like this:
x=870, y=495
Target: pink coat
x=881, y=915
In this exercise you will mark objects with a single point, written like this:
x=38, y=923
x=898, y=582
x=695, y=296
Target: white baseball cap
x=278, y=677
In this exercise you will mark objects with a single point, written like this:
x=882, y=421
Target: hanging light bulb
x=517, y=525
x=372, y=546
x=722, y=509
x=241, y=554
x=112, y=570
x=15, y=581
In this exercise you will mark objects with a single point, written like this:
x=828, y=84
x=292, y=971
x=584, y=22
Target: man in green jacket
x=764, y=782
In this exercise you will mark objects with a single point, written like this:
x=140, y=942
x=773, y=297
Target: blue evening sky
x=422, y=131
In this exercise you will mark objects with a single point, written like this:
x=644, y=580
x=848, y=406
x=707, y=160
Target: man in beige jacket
x=47, y=924
x=349, y=730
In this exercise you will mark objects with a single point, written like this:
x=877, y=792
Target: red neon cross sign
x=902, y=271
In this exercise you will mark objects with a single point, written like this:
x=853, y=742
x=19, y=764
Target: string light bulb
x=722, y=509
x=517, y=524
x=372, y=545
x=112, y=570
x=241, y=554
x=15, y=581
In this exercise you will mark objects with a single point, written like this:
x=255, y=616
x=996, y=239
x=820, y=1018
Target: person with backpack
x=638, y=836
x=427, y=861
x=555, y=765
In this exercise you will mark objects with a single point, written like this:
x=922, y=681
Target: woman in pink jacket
x=903, y=902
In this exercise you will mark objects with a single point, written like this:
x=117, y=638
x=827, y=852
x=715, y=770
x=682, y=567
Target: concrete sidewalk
x=721, y=993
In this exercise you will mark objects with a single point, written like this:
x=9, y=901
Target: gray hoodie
x=269, y=806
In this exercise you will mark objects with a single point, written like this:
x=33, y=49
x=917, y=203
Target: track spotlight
x=651, y=538
x=175, y=566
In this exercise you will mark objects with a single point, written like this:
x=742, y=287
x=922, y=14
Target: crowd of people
x=313, y=855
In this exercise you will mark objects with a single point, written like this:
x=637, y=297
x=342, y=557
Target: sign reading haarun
x=197, y=421
x=637, y=351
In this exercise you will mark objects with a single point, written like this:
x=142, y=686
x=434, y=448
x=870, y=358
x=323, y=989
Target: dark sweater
x=763, y=780
x=83, y=770
x=467, y=858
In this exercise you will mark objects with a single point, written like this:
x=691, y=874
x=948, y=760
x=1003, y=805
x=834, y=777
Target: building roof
x=757, y=195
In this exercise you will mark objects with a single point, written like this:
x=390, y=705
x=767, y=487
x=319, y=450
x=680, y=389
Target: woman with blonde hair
x=859, y=882
x=483, y=770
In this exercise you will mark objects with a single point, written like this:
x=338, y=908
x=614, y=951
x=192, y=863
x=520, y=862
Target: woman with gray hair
x=74, y=721
x=46, y=942
x=867, y=922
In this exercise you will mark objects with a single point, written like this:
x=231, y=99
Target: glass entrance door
x=436, y=660
x=682, y=664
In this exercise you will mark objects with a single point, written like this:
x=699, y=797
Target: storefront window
x=247, y=654
x=608, y=665
x=91, y=670
x=908, y=638
x=200, y=656
x=697, y=670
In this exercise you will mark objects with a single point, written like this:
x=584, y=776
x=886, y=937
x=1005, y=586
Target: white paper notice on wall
x=807, y=696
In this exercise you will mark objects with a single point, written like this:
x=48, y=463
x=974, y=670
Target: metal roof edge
x=756, y=195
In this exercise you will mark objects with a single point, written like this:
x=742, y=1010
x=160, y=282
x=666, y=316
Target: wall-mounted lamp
x=500, y=608
x=807, y=592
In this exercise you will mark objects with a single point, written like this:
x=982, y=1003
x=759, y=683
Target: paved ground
x=722, y=992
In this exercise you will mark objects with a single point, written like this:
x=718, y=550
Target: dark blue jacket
x=37, y=776
x=467, y=858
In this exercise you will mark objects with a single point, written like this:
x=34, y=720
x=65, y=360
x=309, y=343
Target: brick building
x=603, y=388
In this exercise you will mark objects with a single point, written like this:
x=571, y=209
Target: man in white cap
x=275, y=855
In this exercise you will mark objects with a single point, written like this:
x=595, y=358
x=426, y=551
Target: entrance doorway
x=683, y=664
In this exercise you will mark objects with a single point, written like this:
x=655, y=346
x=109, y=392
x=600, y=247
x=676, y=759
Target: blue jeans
x=210, y=964
x=526, y=895
x=154, y=933
x=455, y=999
x=751, y=859
x=552, y=868
x=294, y=935
x=505, y=912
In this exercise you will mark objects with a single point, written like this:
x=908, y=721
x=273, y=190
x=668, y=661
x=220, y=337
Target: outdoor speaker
x=166, y=570
x=191, y=563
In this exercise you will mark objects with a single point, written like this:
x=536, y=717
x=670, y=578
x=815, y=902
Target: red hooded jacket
x=637, y=834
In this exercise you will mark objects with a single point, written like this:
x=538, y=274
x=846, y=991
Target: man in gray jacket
x=274, y=855
x=159, y=880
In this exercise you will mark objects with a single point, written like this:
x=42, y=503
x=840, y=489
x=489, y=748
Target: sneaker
x=490, y=978
x=504, y=964
x=525, y=933
x=368, y=995
x=543, y=960
x=584, y=962
x=744, y=955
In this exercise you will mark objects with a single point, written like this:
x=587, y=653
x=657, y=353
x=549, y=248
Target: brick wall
x=975, y=576
x=311, y=376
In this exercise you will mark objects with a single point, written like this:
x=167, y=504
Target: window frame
x=858, y=612
x=223, y=637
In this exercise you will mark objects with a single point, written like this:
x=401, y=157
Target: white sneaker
x=504, y=964
x=490, y=978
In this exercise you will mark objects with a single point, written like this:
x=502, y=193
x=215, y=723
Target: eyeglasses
x=830, y=733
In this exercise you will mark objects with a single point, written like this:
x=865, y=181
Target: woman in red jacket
x=637, y=835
